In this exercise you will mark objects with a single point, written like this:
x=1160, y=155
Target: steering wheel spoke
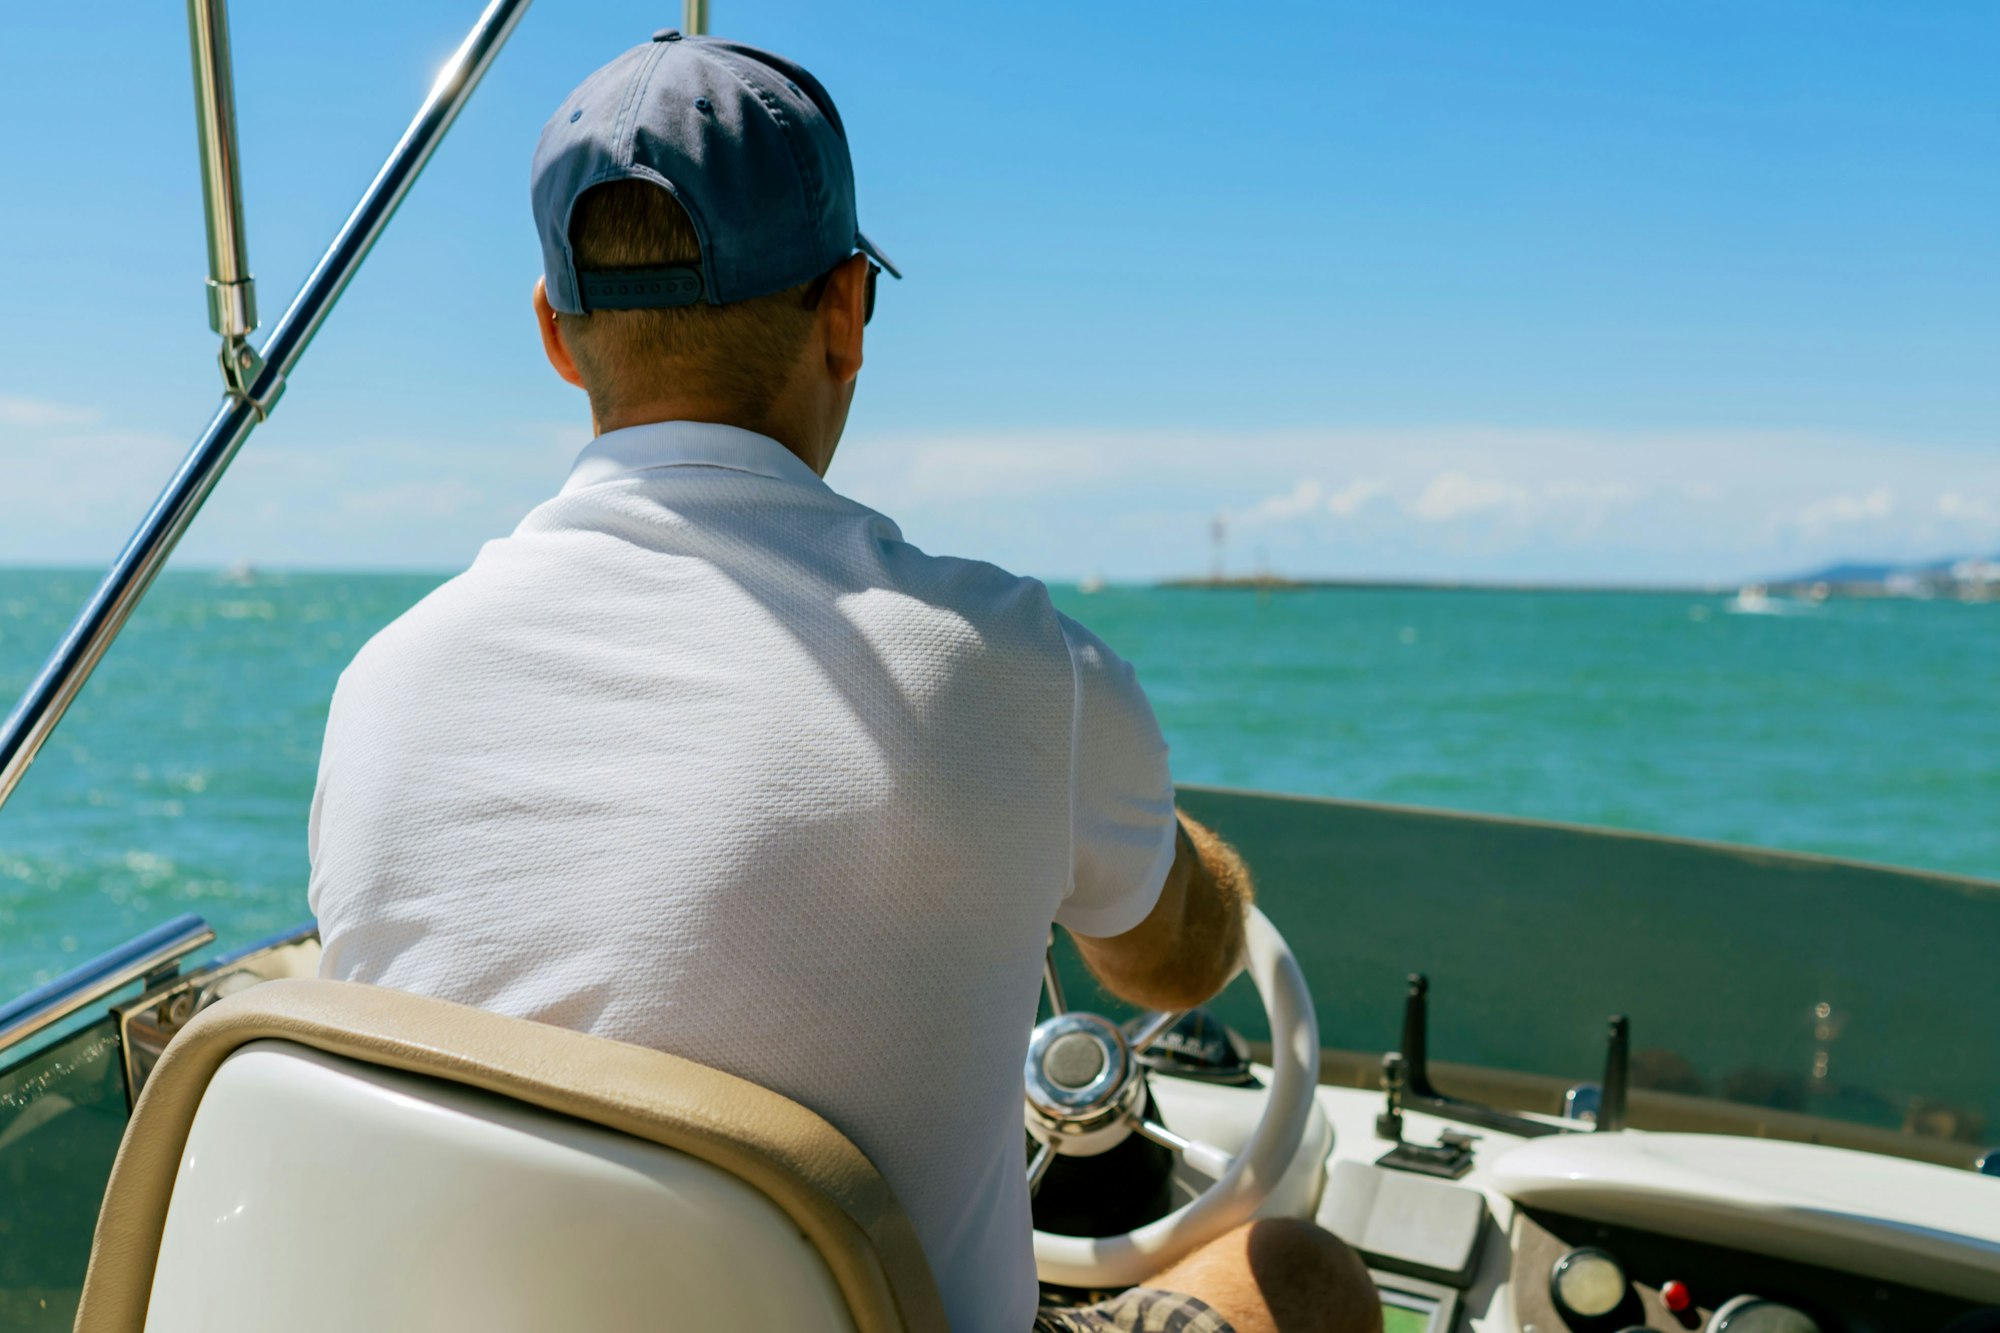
x=1206, y=1158
x=1155, y=1027
x=1052, y=980
x=1038, y=1166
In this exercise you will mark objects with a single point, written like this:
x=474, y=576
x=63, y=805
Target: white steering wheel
x=1086, y=1093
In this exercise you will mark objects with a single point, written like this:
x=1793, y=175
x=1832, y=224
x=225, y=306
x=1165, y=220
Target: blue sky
x=1571, y=291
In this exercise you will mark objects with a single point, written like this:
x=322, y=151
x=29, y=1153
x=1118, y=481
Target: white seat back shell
x=318, y=1193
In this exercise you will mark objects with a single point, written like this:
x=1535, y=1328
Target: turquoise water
x=180, y=780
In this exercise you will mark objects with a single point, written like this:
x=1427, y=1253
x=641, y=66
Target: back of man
x=705, y=758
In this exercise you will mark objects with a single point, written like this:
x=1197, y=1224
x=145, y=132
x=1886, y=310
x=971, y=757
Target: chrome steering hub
x=1084, y=1087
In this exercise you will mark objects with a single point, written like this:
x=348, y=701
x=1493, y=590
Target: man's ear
x=842, y=312
x=553, y=346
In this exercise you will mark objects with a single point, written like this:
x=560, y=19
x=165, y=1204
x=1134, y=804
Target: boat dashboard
x=1476, y=1219
x=1643, y=1279
x=1547, y=1230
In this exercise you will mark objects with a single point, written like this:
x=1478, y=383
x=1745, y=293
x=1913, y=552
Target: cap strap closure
x=639, y=288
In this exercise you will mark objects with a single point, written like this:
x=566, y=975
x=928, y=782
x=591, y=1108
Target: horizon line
x=1269, y=581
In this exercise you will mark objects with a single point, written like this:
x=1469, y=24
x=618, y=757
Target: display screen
x=1403, y=1319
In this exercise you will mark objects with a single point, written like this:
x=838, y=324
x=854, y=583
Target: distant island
x=1280, y=583
x=1964, y=578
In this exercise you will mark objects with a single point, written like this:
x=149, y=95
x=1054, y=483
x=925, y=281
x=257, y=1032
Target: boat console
x=1473, y=1217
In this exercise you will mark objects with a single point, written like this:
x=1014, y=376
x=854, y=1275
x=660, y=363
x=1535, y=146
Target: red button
x=1676, y=1296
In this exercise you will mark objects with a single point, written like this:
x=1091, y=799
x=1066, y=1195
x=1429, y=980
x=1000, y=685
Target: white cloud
x=1447, y=497
x=895, y=474
x=1350, y=499
x=1953, y=505
x=563, y=439
x=1308, y=498
x=74, y=496
x=1837, y=510
x=1453, y=495
x=1303, y=498
x=1592, y=492
x=1448, y=502
x=1441, y=502
x=416, y=499
x=40, y=413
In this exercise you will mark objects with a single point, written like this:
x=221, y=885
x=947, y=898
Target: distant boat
x=239, y=574
x=1094, y=583
x=1751, y=600
x=1754, y=599
x=1757, y=601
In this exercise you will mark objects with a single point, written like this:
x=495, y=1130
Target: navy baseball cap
x=749, y=144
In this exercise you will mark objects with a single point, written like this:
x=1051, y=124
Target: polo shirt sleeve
x=1121, y=797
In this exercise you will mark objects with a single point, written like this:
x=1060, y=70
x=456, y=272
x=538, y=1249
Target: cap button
x=1073, y=1061
x=667, y=35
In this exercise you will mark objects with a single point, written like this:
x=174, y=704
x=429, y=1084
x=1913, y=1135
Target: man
x=705, y=757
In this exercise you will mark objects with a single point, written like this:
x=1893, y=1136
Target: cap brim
x=874, y=252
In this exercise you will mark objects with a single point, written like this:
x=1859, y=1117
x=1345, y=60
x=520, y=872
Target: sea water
x=181, y=778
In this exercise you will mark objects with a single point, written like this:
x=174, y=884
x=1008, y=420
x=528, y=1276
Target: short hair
x=741, y=352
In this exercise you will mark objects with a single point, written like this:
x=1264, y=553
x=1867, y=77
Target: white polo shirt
x=707, y=758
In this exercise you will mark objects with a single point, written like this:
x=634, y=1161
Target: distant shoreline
x=1267, y=582
x=1273, y=583
x=1798, y=591
x=1789, y=590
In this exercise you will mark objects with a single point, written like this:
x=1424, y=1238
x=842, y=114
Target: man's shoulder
x=978, y=590
x=446, y=620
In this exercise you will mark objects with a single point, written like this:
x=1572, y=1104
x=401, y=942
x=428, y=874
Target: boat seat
x=320, y=1155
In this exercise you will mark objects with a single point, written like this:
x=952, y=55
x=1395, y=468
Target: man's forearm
x=1218, y=914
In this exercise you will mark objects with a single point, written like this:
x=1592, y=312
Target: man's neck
x=712, y=412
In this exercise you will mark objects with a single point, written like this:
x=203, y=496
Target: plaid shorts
x=1140, y=1310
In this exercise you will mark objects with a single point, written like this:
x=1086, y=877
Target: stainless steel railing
x=45, y=701
x=232, y=292
x=151, y=958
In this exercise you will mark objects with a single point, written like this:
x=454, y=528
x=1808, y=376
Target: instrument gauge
x=1754, y=1314
x=1588, y=1284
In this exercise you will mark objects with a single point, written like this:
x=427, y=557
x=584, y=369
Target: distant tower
x=1218, y=537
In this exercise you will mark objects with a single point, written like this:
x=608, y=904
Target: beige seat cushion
x=802, y=1163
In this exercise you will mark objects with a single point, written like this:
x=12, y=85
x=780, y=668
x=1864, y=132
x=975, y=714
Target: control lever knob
x=1389, y=1124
